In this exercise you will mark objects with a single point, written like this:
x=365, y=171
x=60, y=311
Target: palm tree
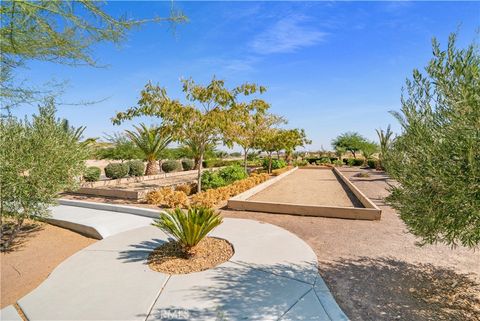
x=385, y=139
x=190, y=149
x=151, y=141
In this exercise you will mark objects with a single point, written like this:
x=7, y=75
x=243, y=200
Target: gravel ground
x=311, y=187
x=375, y=269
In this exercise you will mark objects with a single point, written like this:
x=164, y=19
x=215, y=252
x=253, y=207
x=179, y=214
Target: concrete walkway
x=272, y=276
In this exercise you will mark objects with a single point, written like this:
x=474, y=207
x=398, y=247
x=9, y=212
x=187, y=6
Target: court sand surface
x=309, y=187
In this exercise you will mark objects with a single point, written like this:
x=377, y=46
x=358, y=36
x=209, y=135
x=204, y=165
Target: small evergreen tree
x=436, y=159
x=38, y=159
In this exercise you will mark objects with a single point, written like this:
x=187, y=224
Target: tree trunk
x=270, y=163
x=6, y=245
x=199, y=173
x=196, y=160
x=152, y=167
x=245, y=160
x=354, y=156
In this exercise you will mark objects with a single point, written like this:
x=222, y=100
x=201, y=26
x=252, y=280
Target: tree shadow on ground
x=389, y=289
x=140, y=251
x=28, y=231
x=236, y=292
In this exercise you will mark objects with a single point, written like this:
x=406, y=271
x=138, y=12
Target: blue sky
x=329, y=67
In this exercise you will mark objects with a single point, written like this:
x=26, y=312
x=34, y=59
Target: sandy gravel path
x=311, y=187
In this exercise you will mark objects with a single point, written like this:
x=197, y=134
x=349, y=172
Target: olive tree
x=201, y=120
x=38, y=159
x=436, y=158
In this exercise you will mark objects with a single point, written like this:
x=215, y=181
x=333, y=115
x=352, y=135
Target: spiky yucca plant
x=188, y=227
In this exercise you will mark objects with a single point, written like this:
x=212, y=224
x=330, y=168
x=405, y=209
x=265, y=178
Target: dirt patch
x=36, y=253
x=210, y=252
x=309, y=187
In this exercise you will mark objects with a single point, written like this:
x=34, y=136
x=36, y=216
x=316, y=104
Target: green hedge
x=136, y=168
x=353, y=161
x=222, y=177
x=209, y=163
x=276, y=163
x=170, y=166
x=187, y=164
x=116, y=170
x=92, y=174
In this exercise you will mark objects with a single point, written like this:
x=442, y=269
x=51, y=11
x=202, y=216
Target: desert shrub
x=170, y=166
x=211, y=179
x=276, y=163
x=92, y=174
x=186, y=188
x=354, y=162
x=167, y=197
x=372, y=163
x=116, y=170
x=188, y=227
x=300, y=163
x=212, y=197
x=337, y=162
x=222, y=177
x=187, y=164
x=209, y=163
x=325, y=160
x=279, y=171
x=136, y=168
x=232, y=173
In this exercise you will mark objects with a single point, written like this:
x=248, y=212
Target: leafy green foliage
x=92, y=174
x=372, y=163
x=353, y=161
x=170, y=166
x=61, y=32
x=211, y=179
x=275, y=163
x=151, y=141
x=350, y=141
x=368, y=149
x=120, y=148
x=203, y=117
x=188, y=227
x=223, y=177
x=135, y=168
x=116, y=170
x=187, y=164
x=436, y=159
x=209, y=163
x=385, y=139
x=38, y=159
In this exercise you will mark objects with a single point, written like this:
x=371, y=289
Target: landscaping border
x=370, y=212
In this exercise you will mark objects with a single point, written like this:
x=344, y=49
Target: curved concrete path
x=272, y=276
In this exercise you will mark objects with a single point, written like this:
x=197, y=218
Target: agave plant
x=151, y=141
x=188, y=227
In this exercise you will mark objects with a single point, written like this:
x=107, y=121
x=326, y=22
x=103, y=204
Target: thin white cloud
x=287, y=35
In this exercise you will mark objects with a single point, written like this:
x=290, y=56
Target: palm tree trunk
x=152, y=167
